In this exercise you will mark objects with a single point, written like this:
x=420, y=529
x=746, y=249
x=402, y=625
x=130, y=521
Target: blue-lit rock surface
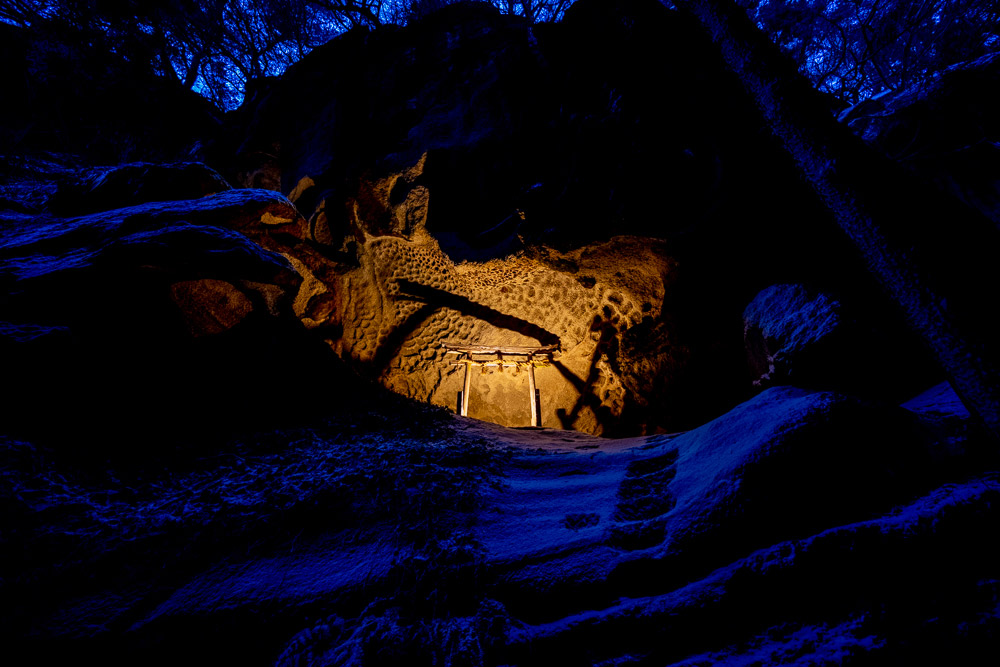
x=799, y=521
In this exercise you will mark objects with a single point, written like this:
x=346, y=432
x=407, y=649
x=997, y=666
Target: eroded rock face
x=812, y=598
x=390, y=310
x=388, y=298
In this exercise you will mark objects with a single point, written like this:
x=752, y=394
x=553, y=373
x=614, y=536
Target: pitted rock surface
x=388, y=310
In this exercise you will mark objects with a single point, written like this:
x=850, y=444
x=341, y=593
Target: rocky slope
x=802, y=528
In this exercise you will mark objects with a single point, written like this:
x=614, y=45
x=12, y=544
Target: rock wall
x=420, y=300
x=389, y=310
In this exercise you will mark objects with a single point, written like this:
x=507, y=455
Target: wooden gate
x=513, y=357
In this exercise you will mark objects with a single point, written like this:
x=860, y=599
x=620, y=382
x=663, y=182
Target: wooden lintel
x=500, y=350
x=533, y=363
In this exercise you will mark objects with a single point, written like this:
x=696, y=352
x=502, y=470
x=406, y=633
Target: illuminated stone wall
x=389, y=310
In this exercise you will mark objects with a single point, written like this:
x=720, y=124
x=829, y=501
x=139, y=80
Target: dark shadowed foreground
x=801, y=527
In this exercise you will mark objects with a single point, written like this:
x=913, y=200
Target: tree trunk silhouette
x=935, y=257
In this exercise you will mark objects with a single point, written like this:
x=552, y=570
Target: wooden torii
x=501, y=357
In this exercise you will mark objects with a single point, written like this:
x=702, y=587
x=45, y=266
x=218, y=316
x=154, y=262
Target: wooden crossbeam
x=532, y=363
x=504, y=350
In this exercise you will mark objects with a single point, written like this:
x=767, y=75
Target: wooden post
x=531, y=389
x=465, y=390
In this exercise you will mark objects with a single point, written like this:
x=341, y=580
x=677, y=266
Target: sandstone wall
x=388, y=301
